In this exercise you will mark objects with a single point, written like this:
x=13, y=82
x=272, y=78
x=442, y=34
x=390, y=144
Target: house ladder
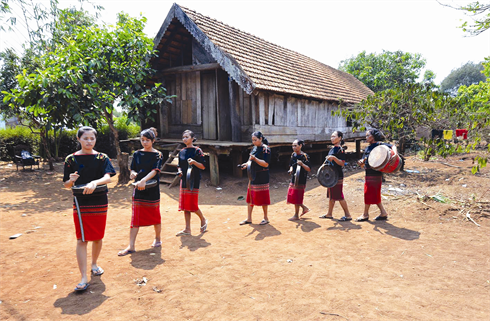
x=168, y=174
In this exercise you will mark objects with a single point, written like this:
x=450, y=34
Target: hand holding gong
x=141, y=186
x=89, y=188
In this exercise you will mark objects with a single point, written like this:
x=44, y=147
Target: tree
x=89, y=69
x=468, y=74
x=478, y=13
x=399, y=112
x=386, y=70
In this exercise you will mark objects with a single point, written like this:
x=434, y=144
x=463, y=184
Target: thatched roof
x=256, y=64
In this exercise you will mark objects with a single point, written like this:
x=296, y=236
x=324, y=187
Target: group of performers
x=89, y=169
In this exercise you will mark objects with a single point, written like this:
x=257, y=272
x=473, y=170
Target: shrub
x=11, y=137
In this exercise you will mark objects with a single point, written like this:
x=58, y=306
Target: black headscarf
x=377, y=134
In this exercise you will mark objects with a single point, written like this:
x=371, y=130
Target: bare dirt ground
x=427, y=262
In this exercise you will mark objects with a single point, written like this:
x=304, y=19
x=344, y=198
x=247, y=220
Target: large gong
x=327, y=176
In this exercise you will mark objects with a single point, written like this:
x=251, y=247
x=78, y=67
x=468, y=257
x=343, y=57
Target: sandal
x=182, y=233
x=362, y=219
x=157, y=244
x=345, y=218
x=264, y=222
x=81, y=287
x=325, y=216
x=381, y=218
x=98, y=271
x=204, y=227
x=245, y=222
x=125, y=252
x=304, y=212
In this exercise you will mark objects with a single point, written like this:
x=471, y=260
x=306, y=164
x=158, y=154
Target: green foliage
x=468, y=74
x=11, y=137
x=386, y=70
x=480, y=14
x=399, y=112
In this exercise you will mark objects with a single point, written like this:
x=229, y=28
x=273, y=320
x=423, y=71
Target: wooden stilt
x=358, y=149
x=213, y=169
x=236, y=158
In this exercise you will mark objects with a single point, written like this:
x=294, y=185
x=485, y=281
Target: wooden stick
x=451, y=165
x=469, y=218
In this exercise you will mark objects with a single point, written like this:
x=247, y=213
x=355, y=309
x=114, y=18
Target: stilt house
x=229, y=83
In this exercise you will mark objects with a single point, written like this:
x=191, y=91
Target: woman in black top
x=296, y=192
x=336, y=156
x=258, y=188
x=92, y=168
x=146, y=201
x=373, y=180
x=190, y=155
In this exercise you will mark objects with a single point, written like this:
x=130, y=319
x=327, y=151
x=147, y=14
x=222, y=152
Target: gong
x=327, y=176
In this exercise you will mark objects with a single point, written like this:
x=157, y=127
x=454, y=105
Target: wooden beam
x=236, y=160
x=358, y=148
x=191, y=68
x=234, y=115
x=214, y=169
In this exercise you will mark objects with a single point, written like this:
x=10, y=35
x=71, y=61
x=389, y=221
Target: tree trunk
x=121, y=160
x=46, y=148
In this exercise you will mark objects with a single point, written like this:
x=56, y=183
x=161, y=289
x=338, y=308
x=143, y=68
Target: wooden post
x=234, y=115
x=214, y=168
x=236, y=159
x=358, y=148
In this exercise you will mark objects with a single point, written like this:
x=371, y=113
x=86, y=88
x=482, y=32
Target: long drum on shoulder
x=297, y=175
x=384, y=159
x=327, y=176
x=78, y=189
x=149, y=183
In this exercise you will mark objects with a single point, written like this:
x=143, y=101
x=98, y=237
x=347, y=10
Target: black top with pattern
x=293, y=162
x=338, y=152
x=367, y=151
x=143, y=163
x=89, y=166
x=196, y=154
x=261, y=173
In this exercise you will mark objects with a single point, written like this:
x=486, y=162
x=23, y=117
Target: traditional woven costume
x=296, y=193
x=93, y=207
x=336, y=193
x=373, y=180
x=189, y=200
x=146, y=203
x=258, y=188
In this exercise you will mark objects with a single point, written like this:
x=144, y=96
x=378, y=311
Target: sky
x=328, y=31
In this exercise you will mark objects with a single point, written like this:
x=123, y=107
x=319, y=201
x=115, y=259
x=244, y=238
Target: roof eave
x=225, y=60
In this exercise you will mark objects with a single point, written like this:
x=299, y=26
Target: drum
x=149, y=183
x=78, y=189
x=327, y=176
x=189, y=178
x=384, y=159
x=297, y=174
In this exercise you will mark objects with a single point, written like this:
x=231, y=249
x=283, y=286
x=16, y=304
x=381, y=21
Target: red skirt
x=145, y=213
x=296, y=194
x=188, y=200
x=372, y=189
x=336, y=193
x=258, y=195
x=93, y=210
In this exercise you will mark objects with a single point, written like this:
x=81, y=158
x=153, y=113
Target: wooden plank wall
x=186, y=108
x=203, y=103
x=285, y=118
